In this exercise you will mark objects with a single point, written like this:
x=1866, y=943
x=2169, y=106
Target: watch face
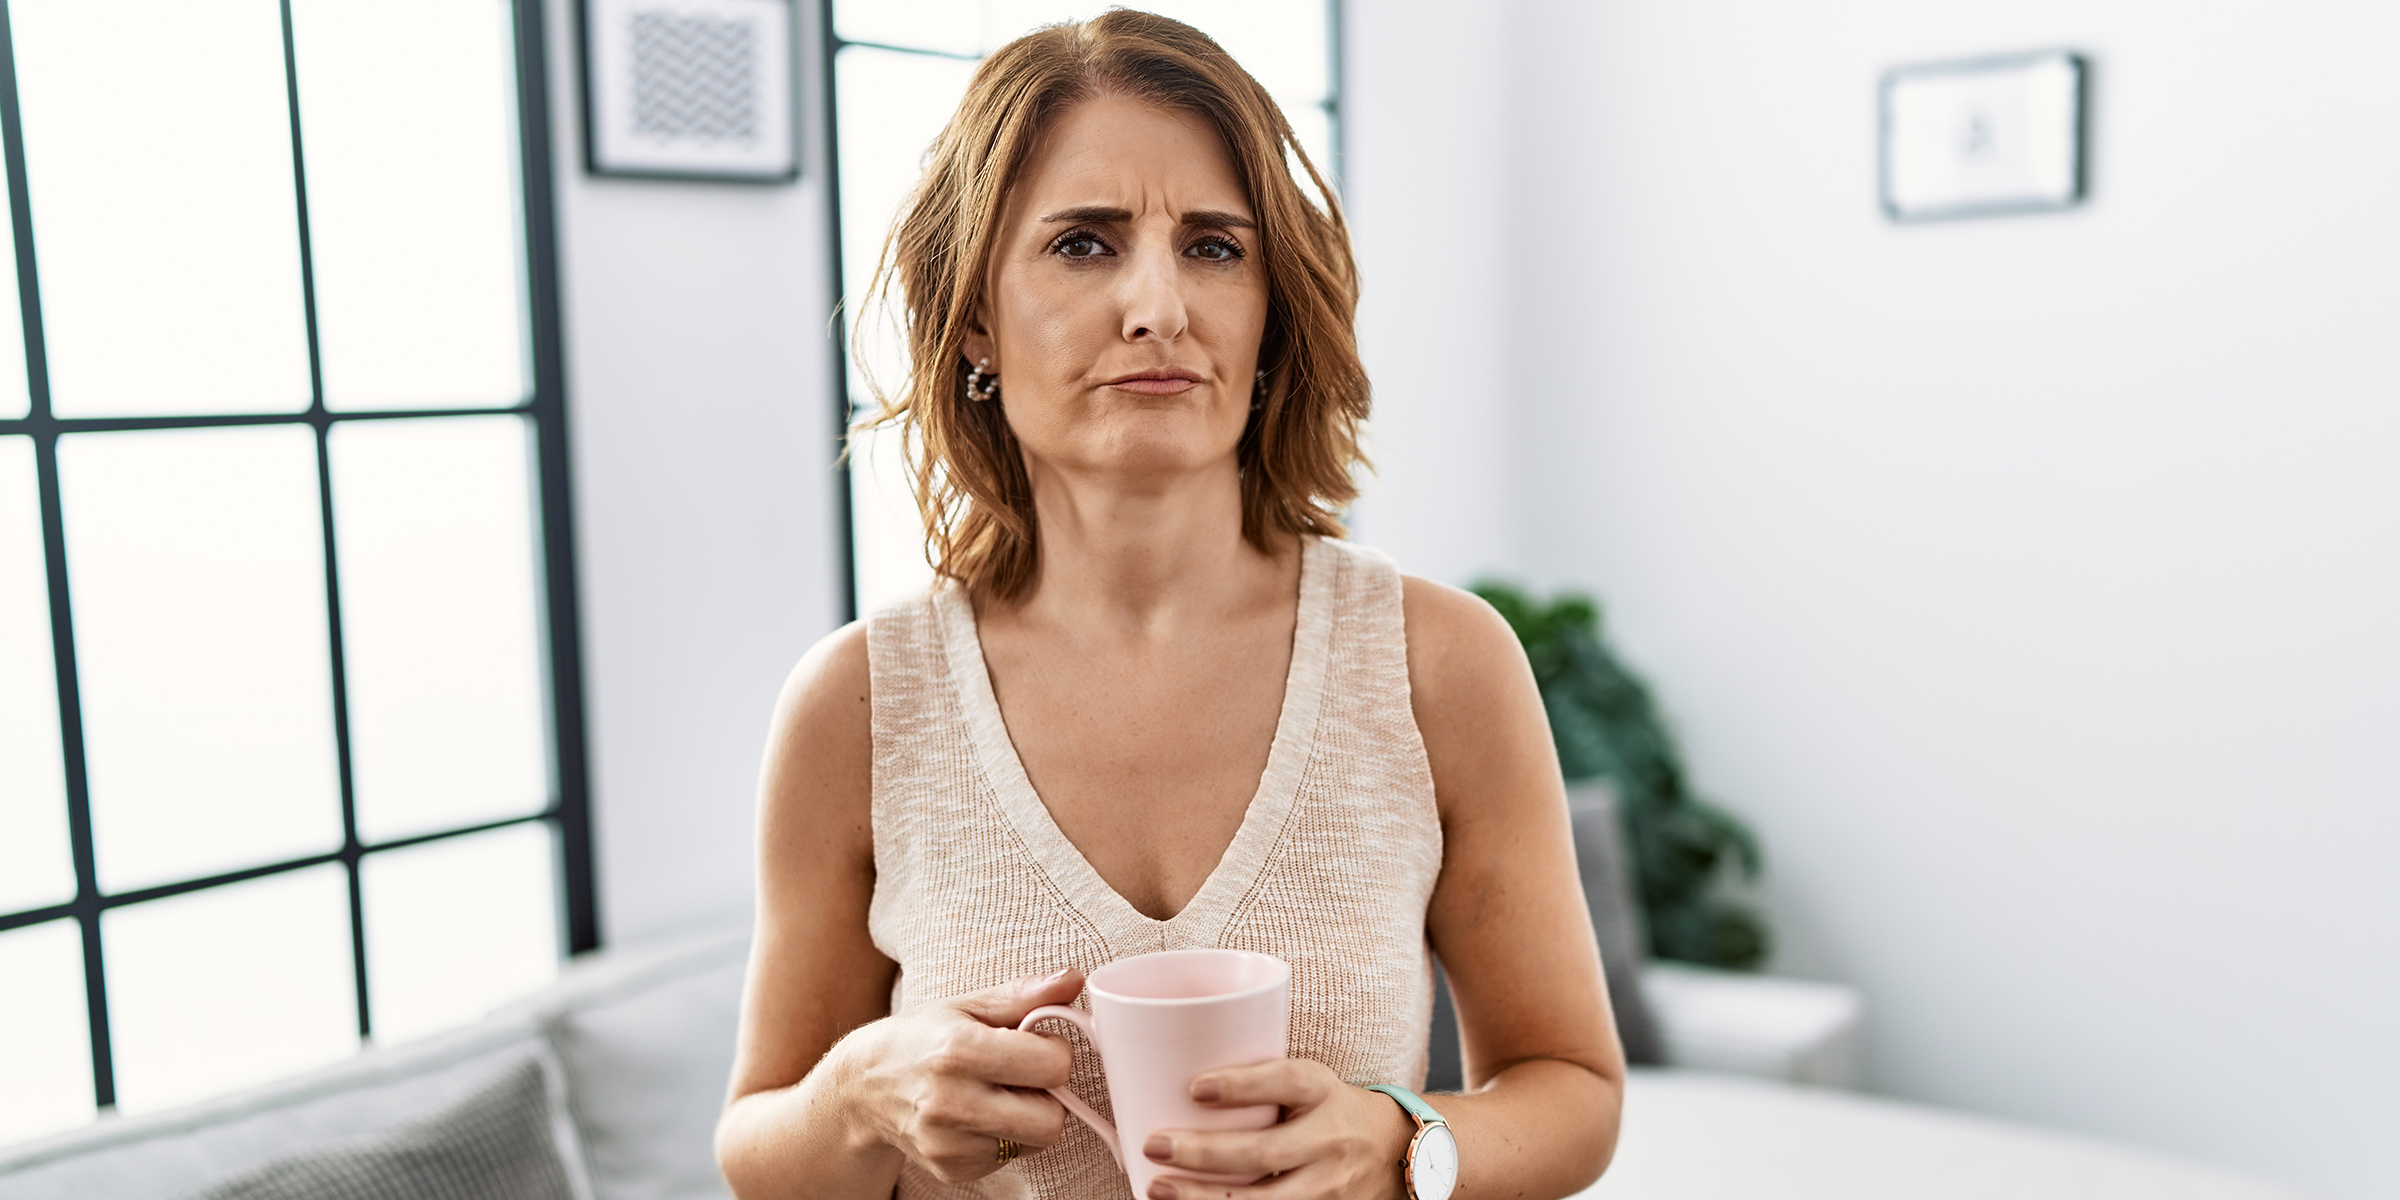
x=1433, y=1166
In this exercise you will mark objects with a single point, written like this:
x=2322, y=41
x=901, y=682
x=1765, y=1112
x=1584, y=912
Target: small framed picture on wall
x=689, y=89
x=1984, y=136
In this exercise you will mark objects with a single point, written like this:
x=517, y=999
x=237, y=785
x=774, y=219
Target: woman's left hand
x=1335, y=1142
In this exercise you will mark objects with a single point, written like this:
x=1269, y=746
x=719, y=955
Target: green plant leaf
x=1684, y=850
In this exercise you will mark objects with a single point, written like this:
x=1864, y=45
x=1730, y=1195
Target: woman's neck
x=1145, y=559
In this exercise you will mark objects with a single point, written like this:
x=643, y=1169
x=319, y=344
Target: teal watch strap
x=1414, y=1103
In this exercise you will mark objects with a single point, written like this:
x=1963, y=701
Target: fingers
x=1306, y=1183
x=1294, y=1083
x=955, y=1133
x=1267, y=1151
x=961, y=1076
x=1030, y=1119
x=1331, y=1142
x=1007, y=1004
x=1003, y=1056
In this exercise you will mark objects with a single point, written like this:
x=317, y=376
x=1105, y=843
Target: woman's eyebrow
x=1095, y=214
x=1221, y=220
x=1089, y=214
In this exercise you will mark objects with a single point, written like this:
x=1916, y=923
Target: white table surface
x=1697, y=1136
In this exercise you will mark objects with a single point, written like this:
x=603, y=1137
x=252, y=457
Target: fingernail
x=1160, y=1189
x=1160, y=1147
x=1206, y=1091
x=1054, y=976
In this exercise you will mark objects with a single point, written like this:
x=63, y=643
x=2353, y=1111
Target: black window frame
x=569, y=808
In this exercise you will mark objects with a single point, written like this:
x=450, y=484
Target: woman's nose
x=1154, y=297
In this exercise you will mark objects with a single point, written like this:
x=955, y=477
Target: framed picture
x=1984, y=136
x=689, y=89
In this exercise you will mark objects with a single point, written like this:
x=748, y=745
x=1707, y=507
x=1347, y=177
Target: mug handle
x=1073, y=1102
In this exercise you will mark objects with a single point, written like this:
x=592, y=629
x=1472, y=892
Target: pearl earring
x=977, y=389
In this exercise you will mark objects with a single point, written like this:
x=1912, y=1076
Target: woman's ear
x=979, y=349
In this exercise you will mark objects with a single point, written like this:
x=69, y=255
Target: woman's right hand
x=941, y=1085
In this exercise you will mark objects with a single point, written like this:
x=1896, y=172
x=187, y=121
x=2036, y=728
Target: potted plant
x=1684, y=851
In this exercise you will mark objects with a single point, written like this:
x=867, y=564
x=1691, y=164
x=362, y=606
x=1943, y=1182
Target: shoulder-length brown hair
x=1301, y=447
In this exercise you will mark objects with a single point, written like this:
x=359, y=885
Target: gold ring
x=1009, y=1151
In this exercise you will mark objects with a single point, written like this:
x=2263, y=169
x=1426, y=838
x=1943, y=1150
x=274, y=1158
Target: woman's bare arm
x=1544, y=1073
x=830, y=1095
x=814, y=974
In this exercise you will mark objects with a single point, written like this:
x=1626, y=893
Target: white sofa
x=1792, y=1030
x=636, y=1047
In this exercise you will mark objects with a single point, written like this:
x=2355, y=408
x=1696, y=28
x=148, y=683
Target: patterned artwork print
x=695, y=76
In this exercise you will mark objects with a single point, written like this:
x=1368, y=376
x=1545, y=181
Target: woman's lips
x=1157, y=383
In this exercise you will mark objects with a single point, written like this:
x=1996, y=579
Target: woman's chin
x=1161, y=444
x=1163, y=458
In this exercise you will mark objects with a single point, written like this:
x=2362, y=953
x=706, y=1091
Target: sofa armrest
x=1788, y=1029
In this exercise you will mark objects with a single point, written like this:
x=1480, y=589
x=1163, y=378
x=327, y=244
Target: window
x=898, y=69
x=290, y=734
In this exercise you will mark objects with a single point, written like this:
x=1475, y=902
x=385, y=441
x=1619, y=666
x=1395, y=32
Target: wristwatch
x=1431, y=1168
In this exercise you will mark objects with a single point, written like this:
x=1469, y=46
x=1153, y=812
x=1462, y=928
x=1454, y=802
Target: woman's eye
x=1215, y=250
x=1081, y=245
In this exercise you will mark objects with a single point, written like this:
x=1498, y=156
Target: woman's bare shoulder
x=1477, y=708
x=820, y=747
x=835, y=669
x=828, y=686
x=1459, y=647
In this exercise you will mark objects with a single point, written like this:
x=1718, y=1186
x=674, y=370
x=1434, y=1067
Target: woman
x=1152, y=703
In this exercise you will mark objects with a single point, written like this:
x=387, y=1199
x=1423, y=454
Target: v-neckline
x=1202, y=919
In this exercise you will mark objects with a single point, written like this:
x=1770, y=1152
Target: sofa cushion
x=496, y=1144
x=1616, y=917
x=175, y=1154
x=647, y=1041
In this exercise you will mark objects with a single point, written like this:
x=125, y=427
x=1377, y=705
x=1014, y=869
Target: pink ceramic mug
x=1161, y=1019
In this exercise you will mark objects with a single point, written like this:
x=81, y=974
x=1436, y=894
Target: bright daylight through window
x=288, y=752
x=899, y=70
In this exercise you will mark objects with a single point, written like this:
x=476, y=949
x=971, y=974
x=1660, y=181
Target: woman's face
x=1125, y=298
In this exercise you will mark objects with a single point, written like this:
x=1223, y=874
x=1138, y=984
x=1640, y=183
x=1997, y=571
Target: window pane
x=891, y=108
x=434, y=524
x=35, y=867
x=218, y=989
x=887, y=538
x=950, y=26
x=15, y=401
x=1280, y=42
x=408, y=115
x=458, y=927
x=158, y=147
x=1314, y=127
x=45, y=1044
x=196, y=565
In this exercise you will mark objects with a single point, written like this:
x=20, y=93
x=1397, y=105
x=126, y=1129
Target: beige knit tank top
x=1331, y=869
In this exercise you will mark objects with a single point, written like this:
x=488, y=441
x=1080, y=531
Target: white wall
x=1425, y=163
x=696, y=383
x=2030, y=583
